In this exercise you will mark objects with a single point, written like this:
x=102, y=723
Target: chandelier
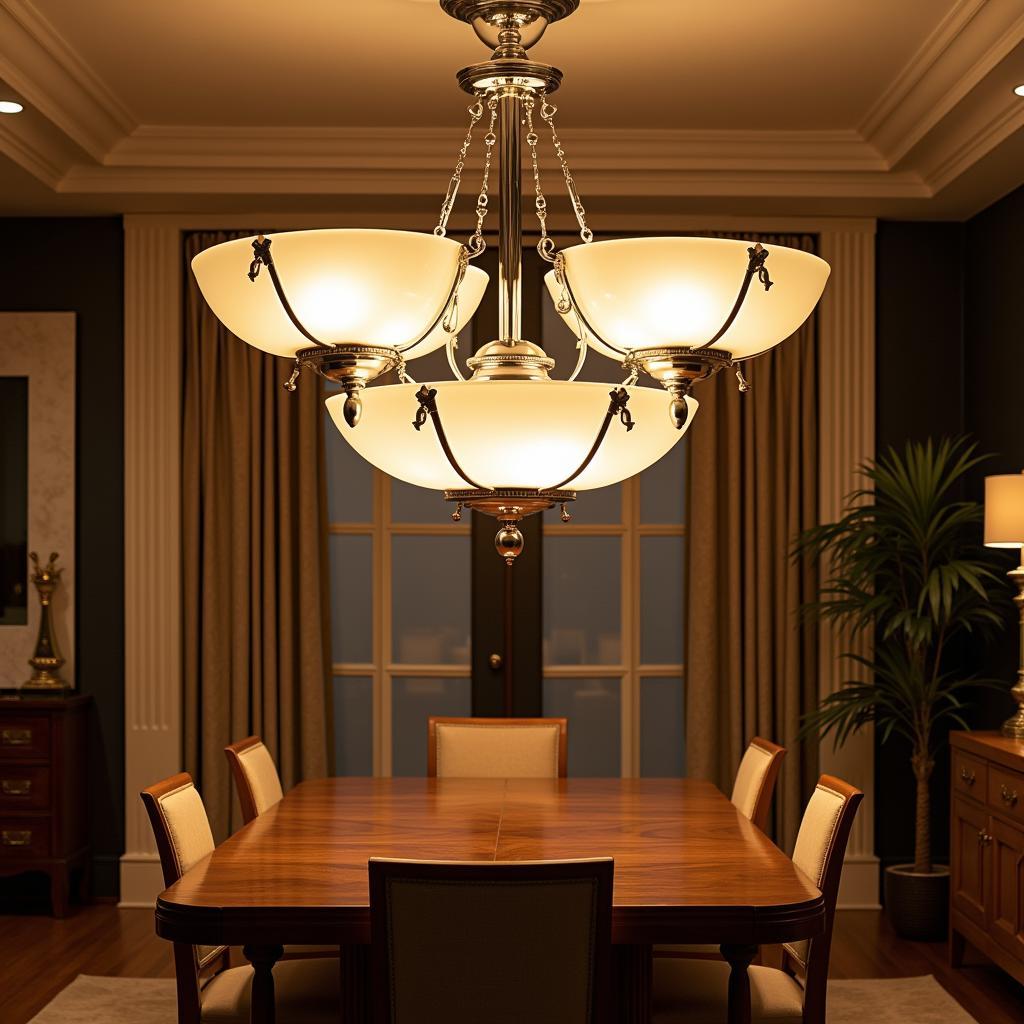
x=509, y=441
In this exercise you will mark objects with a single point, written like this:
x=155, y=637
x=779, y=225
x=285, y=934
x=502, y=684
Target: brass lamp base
x=1014, y=727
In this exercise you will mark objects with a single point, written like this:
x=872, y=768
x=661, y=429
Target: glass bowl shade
x=510, y=433
x=639, y=293
x=346, y=285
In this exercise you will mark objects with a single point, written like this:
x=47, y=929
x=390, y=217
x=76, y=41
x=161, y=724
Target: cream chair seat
x=688, y=991
x=502, y=748
x=752, y=793
x=306, y=991
x=691, y=990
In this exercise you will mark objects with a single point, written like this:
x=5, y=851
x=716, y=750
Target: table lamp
x=1004, y=528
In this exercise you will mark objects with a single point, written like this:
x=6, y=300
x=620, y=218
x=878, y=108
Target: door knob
x=495, y=661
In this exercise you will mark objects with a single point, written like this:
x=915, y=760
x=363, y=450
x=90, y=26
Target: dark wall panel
x=993, y=373
x=76, y=264
x=919, y=395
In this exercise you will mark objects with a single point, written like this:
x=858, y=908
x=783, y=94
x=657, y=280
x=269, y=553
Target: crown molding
x=38, y=63
x=966, y=46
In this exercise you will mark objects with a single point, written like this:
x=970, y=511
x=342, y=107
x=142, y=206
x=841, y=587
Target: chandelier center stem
x=510, y=227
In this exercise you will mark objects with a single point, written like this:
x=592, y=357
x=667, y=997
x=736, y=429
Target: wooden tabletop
x=688, y=866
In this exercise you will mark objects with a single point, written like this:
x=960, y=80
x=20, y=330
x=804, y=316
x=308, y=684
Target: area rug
x=92, y=1000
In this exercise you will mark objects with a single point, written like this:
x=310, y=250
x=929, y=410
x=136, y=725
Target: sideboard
x=987, y=849
x=44, y=815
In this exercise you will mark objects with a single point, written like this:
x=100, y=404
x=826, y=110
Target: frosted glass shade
x=1004, y=511
x=658, y=292
x=346, y=285
x=510, y=433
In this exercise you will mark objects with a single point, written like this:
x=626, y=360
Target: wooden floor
x=40, y=955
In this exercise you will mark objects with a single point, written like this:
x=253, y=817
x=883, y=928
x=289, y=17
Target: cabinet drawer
x=970, y=776
x=24, y=787
x=24, y=838
x=1006, y=792
x=24, y=738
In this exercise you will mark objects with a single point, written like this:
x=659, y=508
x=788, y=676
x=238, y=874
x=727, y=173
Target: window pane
x=661, y=600
x=349, y=479
x=353, y=725
x=582, y=600
x=662, y=749
x=598, y=507
x=593, y=709
x=351, y=598
x=418, y=504
x=413, y=701
x=430, y=595
x=663, y=488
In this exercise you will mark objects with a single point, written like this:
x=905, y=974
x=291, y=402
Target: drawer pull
x=16, y=836
x=967, y=777
x=984, y=839
x=16, y=787
x=1009, y=796
x=16, y=737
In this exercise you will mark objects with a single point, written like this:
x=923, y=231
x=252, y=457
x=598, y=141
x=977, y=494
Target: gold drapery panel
x=255, y=593
x=751, y=661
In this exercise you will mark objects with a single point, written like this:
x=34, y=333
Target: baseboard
x=142, y=880
x=858, y=889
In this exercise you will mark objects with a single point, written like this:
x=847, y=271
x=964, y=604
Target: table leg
x=739, y=958
x=355, y=984
x=261, y=999
x=633, y=969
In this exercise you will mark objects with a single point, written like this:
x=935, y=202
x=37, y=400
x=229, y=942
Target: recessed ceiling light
x=10, y=107
x=1019, y=90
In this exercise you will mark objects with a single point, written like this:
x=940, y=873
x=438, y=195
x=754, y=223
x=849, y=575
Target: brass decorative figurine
x=47, y=660
x=1004, y=528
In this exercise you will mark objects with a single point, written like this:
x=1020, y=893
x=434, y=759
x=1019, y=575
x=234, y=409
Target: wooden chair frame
x=246, y=798
x=820, y=948
x=434, y=721
x=187, y=969
x=601, y=870
x=765, y=795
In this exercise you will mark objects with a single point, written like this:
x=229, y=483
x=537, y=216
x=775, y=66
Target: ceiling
x=792, y=106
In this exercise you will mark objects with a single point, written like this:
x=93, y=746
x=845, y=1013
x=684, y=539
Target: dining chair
x=696, y=991
x=256, y=778
x=752, y=792
x=481, y=748
x=306, y=991
x=258, y=785
x=754, y=786
x=461, y=943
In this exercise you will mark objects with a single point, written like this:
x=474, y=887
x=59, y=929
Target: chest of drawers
x=43, y=794
x=987, y=849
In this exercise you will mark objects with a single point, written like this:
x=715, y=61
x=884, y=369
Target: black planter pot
x=918, y=905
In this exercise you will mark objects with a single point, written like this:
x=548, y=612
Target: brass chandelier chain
x=546, y=245
x=476, y=111
x=547, y=113
x=476, y=244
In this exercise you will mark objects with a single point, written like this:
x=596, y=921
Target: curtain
x=256, y=618
x=751, y=658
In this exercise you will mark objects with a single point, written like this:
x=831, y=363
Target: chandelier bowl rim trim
x=386, y=261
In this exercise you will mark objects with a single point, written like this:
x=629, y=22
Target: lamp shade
x=529, y=434
x=346, y=286
x=641, y=293
x=1004, y=511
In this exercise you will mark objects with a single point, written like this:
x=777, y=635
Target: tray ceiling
x=795, y=106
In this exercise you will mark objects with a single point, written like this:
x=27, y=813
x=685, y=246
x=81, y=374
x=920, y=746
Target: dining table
x=689, y=868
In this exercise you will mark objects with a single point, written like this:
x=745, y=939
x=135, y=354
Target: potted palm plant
x=905, y=565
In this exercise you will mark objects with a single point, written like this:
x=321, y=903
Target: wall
x=919, y=394
x=77, y=264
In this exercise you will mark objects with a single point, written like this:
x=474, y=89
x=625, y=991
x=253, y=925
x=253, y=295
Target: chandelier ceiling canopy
x=354, y=304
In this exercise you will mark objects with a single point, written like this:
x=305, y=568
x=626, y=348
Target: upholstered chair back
x=458, y=943
x=183, y=838
x=497, y=747
x=755, y=781
x=255, y=775
x=819, y=852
